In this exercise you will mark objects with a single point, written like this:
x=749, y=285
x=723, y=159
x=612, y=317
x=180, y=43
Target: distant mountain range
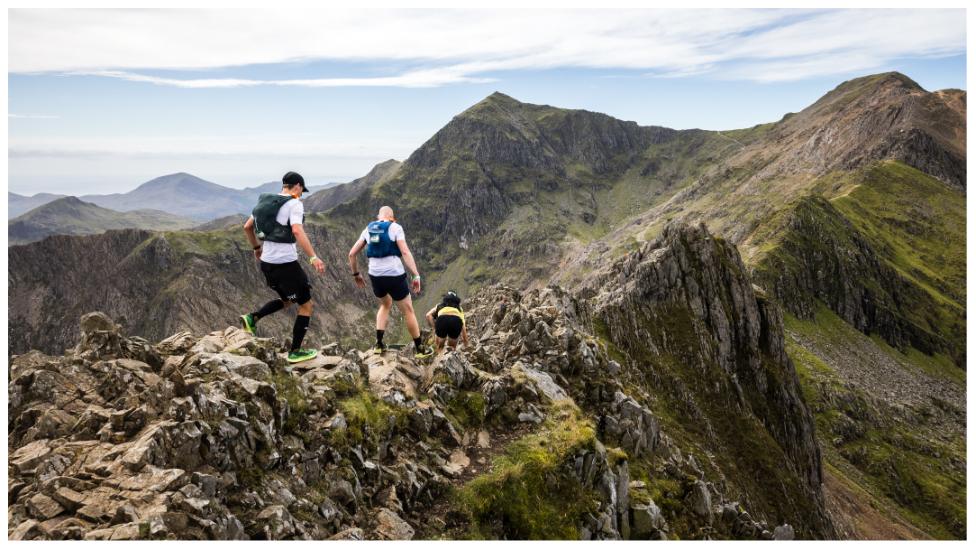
x=180, y=194
x=72, y=216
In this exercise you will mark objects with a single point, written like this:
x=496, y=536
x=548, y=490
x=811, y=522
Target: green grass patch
x=528, y=494
x=369, y=418
x=467, y=409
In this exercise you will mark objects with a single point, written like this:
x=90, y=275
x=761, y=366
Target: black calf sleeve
x=298, y=334
x=268, y=309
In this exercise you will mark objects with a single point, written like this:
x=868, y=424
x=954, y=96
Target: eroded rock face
x=684, y=307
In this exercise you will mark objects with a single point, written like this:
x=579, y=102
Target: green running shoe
x=301, y=355
x=423, y=352
x=379, y=348
x=247, y=320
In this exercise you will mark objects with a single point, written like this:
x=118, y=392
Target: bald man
x=388, y=253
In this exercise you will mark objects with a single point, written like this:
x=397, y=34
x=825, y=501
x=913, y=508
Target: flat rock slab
x=387, y=374
x=319, y=361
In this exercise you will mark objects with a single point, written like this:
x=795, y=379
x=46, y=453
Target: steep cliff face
x=683, y=308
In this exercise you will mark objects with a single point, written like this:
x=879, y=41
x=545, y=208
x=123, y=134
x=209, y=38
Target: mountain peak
x=494, y=102
x=881, y=85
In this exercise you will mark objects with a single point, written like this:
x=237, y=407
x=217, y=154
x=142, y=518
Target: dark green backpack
x=265, y=223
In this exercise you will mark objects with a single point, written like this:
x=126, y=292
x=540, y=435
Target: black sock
x=268, y=309
x=379, y=337
x=298, y=334
x=417, y=342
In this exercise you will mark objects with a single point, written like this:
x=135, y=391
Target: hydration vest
x=378, y=243
x=266, y=224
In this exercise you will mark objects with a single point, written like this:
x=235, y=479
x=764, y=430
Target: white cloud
x=31, y=116
x=414, y=79
x=456, y=46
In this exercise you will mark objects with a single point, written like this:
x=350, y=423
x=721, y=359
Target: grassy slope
x=917, y=221
x=904, y=457
x=914, y=224
x=911, y=466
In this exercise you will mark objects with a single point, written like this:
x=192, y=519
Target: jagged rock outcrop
x=536, y=429
x=684, y=308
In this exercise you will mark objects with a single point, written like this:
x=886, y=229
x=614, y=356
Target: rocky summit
x=554, y=424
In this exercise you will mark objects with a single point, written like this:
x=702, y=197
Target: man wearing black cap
x=277, y=221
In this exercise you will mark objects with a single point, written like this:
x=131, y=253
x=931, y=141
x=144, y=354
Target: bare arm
x=252, y=237
x=464, y=334
x=354, y=254
x=249, y=232
x=408, y=262
x=354, y=263
x=302, y=239
x=430, y=316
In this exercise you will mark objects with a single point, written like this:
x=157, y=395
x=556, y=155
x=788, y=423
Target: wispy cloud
x=415, y=79
x=197, y=146
x=31, y=116
x=463, y=46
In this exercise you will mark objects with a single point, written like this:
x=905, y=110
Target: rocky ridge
x=215, y=437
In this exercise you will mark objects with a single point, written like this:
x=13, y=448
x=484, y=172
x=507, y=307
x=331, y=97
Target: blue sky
x=221, y=95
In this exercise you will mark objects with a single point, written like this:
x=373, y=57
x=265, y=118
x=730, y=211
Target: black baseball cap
x=294, y=178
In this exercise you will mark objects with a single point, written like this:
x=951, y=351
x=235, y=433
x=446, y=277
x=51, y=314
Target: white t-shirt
x=390, y=266
x=290, y=213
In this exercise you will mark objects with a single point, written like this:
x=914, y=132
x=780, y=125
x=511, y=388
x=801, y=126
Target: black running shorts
x=289, y=281
x=396, y=286
x=448, y=326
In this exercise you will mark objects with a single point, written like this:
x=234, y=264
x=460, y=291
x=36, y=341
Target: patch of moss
x=467, y=409
x=528, y=494
x=369, y=418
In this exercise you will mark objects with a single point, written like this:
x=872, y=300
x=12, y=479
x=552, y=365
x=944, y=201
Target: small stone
x=27, y=530
x=391, y=527
x=352, y=533
x=69, y=498
x=43, y=507
x=784, y=532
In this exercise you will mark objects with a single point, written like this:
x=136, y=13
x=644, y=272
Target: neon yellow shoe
x=423, y=352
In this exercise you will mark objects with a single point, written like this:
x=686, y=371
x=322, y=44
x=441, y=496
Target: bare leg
x=438, y=343
x=304, y=309
x=452, y=343
x=406, y=308
x=383, y=314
